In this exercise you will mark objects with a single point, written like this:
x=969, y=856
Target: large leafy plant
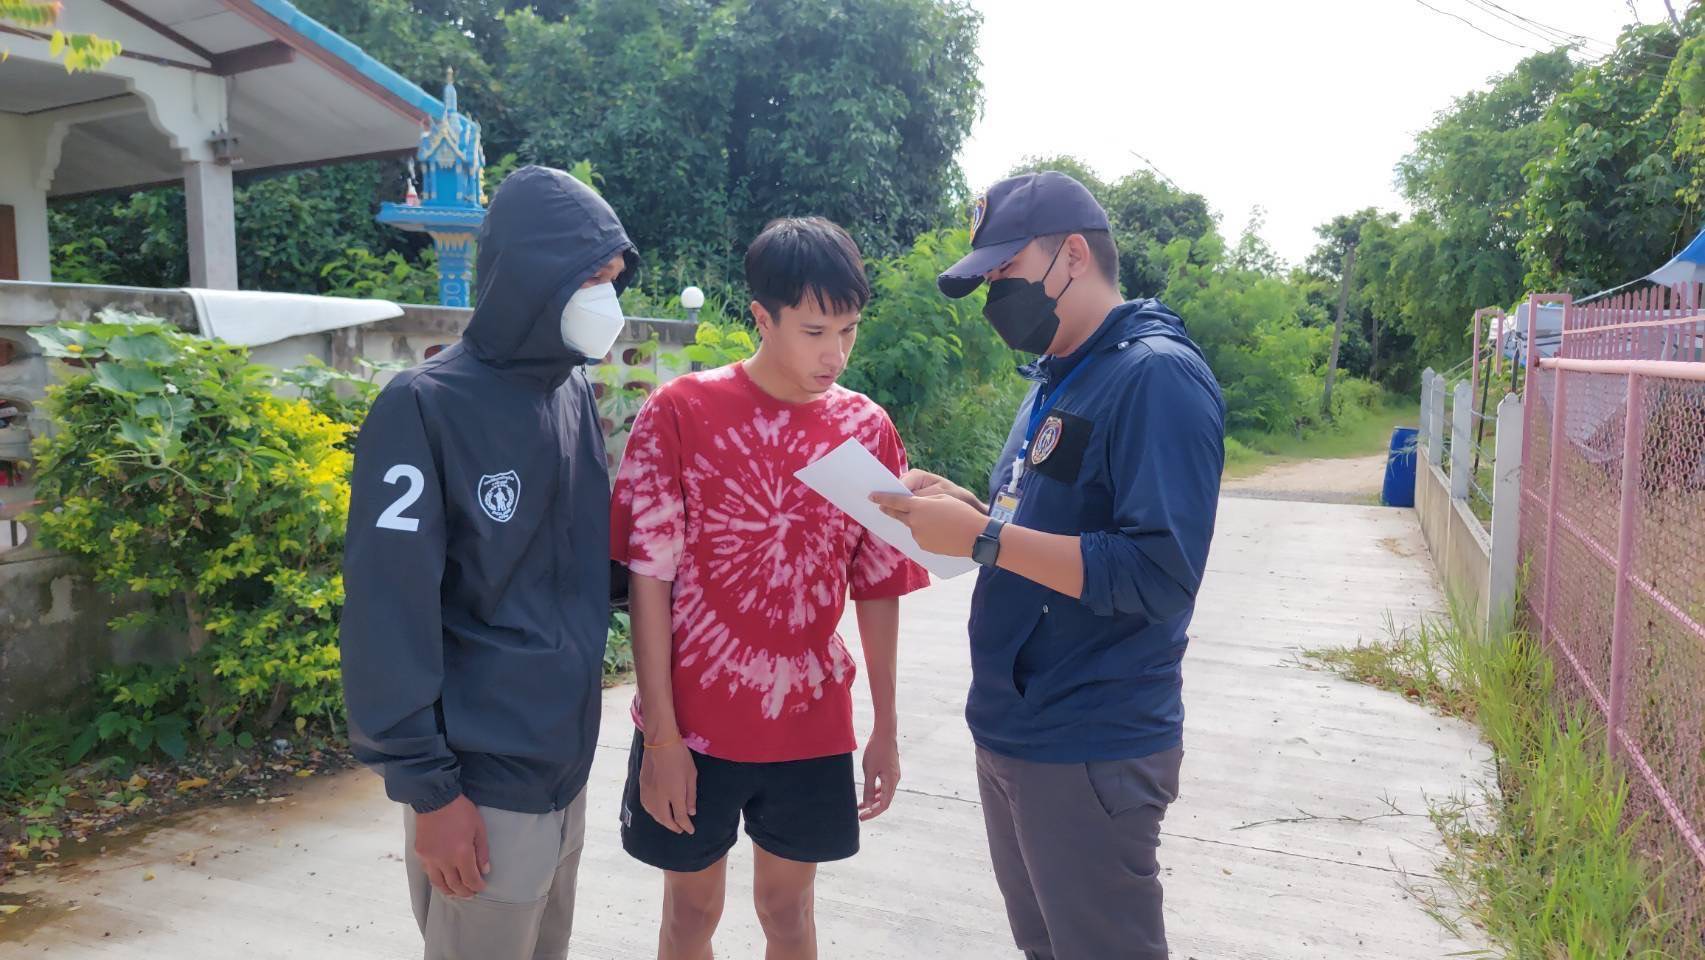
x=174, y=471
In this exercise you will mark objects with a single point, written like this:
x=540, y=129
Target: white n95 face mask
x=592, y=320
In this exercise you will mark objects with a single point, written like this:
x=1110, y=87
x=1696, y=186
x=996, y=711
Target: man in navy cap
x=1093, y=543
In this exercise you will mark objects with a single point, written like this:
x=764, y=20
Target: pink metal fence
x=1613, y=530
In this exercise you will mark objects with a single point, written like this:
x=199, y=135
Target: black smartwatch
x=988, y=547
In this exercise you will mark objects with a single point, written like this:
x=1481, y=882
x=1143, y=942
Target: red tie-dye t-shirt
x=706, y=498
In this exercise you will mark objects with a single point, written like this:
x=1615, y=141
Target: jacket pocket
x=1010, y=663
x=1121, y=786
x=994, y=683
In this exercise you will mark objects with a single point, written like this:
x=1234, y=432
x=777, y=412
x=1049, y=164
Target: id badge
x=1005, y=507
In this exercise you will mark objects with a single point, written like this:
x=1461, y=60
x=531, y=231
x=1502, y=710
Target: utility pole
x=1338, y=329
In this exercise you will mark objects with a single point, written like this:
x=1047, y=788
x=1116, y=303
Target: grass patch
x=1547, y=862
x=32, y=750
x=1242, y=460
x=1414, y=663
x=1364, y=433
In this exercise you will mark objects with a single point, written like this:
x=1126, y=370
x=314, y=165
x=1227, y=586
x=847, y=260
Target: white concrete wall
x=21, y=149
x=1459, y=544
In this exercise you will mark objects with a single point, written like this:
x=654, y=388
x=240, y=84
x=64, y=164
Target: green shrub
x=1354, y=397
x=344, y=397
x=359, y=273
x=175, y=472
x=661, y=300
x=1239, y=455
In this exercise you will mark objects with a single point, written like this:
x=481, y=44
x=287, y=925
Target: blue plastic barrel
x=1400, y=469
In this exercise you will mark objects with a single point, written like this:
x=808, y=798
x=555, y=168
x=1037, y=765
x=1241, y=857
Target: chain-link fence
x=1613, y=530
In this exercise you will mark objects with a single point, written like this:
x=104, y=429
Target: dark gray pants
x=1074, y=846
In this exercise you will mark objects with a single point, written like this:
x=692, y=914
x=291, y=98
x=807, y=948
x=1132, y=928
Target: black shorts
x=800, y=810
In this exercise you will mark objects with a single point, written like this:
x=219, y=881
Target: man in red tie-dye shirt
x=740, y=576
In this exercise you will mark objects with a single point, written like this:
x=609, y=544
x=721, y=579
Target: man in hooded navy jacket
x=477, y=572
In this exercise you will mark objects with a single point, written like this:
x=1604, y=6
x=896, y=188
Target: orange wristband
x=665, y=743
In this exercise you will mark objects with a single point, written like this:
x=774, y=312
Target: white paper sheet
x=846, y=477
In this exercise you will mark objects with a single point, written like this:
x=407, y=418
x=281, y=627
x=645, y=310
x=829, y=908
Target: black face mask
x=1022, y=312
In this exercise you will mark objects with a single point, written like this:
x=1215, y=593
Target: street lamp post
x=692, y=299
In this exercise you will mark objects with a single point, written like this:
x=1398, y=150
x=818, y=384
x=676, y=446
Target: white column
x=1506, y=515
x=1426, y=391
x=1436, y=420
x=21, y=147
x=1461, y=439
x=211, y=212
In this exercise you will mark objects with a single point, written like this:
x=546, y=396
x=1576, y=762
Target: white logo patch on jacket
x=498, y=494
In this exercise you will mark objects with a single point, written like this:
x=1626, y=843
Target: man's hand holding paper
x=848, y=476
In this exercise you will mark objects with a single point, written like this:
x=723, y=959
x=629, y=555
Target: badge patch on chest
x=1047, y=441
x=499, y=493
x=1059, y=447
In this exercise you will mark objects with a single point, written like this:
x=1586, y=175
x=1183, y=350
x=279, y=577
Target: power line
x=1479, y=29
x=1158, y=171
x=1545, y=32
x=1586, y=45
x=1651, y=58
x=1559, y=31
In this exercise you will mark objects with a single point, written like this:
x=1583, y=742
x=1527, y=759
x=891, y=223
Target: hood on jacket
x=1148, y=318
x=545, y=233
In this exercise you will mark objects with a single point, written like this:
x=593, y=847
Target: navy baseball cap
x=1014, y=212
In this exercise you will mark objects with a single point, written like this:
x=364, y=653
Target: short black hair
x=794, y=256
x=1101, y=247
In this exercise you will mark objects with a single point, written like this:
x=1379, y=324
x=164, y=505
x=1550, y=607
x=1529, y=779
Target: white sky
x=1301, y=106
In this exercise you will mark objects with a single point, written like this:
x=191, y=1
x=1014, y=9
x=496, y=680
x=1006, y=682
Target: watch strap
x=987, y=549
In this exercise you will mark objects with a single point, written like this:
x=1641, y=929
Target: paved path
x=1356, y=480
x=318, y=875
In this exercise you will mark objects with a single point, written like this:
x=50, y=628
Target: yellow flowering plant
x=174, y=470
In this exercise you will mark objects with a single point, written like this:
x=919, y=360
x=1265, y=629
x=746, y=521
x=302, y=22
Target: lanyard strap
x=1045, y=402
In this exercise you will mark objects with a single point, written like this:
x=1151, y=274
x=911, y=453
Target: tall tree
x=702, y=118
x=1320, y=276
x=1602, y=206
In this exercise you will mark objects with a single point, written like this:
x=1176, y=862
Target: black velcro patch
x=1063, y=462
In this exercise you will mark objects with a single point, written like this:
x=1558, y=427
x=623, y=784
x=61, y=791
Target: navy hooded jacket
x=476, y=568
x=1132, y=469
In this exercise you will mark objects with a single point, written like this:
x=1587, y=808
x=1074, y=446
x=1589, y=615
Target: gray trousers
x=526, y=911
x=1074, y=847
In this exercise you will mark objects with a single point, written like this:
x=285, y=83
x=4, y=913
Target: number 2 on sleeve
x=392, y=518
